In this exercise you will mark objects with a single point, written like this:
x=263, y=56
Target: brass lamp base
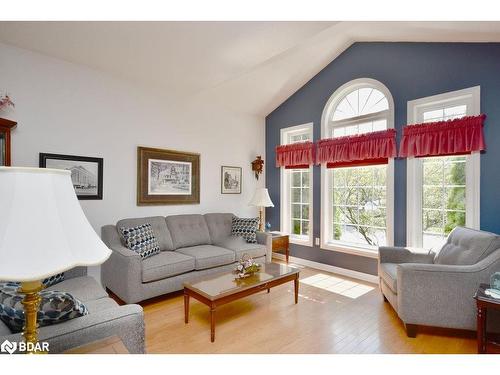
x=31, y=303
x=261, y=222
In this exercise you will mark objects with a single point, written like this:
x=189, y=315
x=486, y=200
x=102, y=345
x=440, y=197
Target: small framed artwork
x=230, y=180
x=86, y=172
x=167, y=177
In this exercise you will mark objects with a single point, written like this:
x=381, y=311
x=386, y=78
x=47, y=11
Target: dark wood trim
x=146, y=153
x=5, y=127
x=213, y=304
x=42, y=162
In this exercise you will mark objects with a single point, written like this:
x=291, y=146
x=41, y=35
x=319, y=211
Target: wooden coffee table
x=219, y=289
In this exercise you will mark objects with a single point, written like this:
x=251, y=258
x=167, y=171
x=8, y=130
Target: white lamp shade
x=261, y=198
x=43, y=230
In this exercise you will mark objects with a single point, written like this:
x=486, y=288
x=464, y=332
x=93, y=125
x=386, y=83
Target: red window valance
x=363, y=149
x=295, y=155
x=451, y=137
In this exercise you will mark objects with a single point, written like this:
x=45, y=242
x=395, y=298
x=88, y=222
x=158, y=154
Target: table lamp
x=43, y=232
x=261, y=199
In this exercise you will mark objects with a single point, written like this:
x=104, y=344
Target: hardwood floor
x=332, y=316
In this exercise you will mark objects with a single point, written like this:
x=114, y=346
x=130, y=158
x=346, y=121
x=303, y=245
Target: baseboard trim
x=329, y=268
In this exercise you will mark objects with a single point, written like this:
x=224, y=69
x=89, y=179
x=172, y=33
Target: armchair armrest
x=390, y=254
x=122, y=272
x=127, y=322
x=265, y=238
x=441, y=295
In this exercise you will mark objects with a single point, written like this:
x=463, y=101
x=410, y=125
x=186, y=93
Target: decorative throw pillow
x=246, y=228
x=52, y=280
x=141, y=239
x=49, y=281
x=55, y=307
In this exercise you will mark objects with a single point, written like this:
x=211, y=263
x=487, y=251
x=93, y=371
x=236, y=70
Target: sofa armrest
x=127, y=322
x=265, y=238
x=389, y=254
x=122, y=272
x=442, y=295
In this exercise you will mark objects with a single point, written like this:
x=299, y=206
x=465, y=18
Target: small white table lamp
x=43, y=232
x=261, y=199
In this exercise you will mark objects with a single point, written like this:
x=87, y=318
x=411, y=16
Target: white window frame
x=326, y=178
x=285, y=219
x=415, y=108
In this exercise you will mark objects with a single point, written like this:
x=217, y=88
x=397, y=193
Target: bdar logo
x=8, y=347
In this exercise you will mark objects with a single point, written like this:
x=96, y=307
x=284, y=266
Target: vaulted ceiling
x=246, y=66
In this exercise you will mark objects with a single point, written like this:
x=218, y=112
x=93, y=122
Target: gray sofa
x=106, y=318
x=191, y=246
x=437, y=289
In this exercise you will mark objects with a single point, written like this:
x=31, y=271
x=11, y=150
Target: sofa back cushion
x=219, y=227
x=466, y=246
x=188, y=230
x=158, y=225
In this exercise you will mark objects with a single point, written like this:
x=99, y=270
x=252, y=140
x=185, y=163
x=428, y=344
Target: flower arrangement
x=6, y=101
x=246, y=267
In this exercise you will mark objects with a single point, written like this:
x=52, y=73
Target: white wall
x=71, y=109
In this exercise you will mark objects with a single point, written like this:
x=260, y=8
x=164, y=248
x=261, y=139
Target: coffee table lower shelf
x=213, y=304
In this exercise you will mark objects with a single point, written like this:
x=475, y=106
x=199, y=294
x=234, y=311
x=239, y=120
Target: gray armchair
x=437, y=289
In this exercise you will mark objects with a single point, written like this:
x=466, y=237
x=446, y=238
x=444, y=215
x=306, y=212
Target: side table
x=484, y=303
x=281, y=242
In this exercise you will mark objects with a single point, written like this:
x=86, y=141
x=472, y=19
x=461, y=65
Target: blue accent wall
x=410, y=71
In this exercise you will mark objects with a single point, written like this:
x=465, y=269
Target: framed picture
x=167, y=177
x=230, y=180
x=86, y=172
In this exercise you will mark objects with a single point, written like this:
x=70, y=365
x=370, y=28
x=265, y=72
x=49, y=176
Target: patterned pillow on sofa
x=55, y=307
x=141, y=239
x=246, y=228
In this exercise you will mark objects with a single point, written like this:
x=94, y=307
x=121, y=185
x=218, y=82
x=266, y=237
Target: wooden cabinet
x=5, y=143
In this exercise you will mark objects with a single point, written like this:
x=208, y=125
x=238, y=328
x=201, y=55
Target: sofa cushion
x=141, y=240
x=466, y=246
x=166, y=264
x=188, y=230
x=208, y=256
x=246, y=228
x=158, y=225
x=241, y=247
x=219, y=227
x=84, y=288
x=389, y=274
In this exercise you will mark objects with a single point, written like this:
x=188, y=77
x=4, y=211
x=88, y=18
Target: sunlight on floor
x=338, y=285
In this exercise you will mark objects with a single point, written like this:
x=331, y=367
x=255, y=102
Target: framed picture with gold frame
x=167, y=177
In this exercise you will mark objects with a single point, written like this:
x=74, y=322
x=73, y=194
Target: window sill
x=301, y=242
x=359, y=251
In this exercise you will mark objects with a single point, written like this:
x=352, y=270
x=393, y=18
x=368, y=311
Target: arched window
x=357, y=201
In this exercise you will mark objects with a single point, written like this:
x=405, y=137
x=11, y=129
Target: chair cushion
x=246, y=228
x=188, y=230
x=241, y=247
x=466, y=246
x=141, y=240
x=84, y=288
x=159, y=226
x=100, y=304
x=219, y=227
x=166, y=264
x=389, y=274
x=208, y=256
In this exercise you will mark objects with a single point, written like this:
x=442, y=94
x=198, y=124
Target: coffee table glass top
x=223, y=284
